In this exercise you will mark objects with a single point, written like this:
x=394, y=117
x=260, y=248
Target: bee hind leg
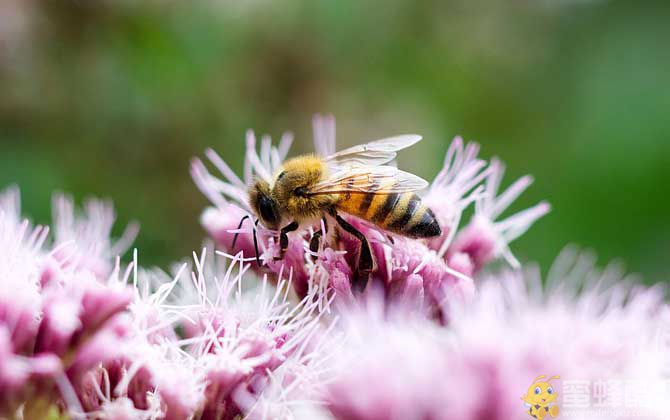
x=283, y=238
x=365, y=261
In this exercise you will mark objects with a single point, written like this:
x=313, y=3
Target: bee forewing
x=390, y=144
x=410, y=182
x=376, y=179
x=375, y=153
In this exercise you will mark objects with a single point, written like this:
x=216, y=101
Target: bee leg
x=315, y=242
x=283, y=238
x=258, y=259
x=316, y=238
x=365, y=261
x=238, y=233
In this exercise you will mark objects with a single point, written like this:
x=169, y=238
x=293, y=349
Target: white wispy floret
x=485, y=237
x=240, y=332
x=456, y=186
x=85, y=239
x=22, y=256
x=233, y=189
x=297, y=388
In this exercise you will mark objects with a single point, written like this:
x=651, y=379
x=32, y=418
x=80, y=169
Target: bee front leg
x=283, y=238
x=365, y=261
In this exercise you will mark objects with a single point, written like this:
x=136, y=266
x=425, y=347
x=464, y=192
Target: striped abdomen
x=401, y=213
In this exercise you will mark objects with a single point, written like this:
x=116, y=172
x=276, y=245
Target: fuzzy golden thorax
x=292, y=183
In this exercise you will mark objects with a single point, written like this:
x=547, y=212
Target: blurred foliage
x=112, y=98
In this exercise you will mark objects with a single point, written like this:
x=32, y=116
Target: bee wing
x=370, y=179
x=375, y=153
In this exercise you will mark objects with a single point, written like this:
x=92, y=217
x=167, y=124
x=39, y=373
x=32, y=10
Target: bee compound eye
x=266, y=208
x=538, y=391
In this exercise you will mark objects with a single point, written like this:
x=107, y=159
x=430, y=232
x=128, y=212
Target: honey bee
x=357, y=181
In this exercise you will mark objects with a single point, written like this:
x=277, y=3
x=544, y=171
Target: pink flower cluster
x=439, y=333
x=583, y=324
x=79, y=334
x=58, y=318
x=427, y=271
x=387, y=361
x=200, y=347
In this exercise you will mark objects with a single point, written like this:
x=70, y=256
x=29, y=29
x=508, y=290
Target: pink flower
x=234, y=340
x=103, y=346
x=20, y=304
x=22, y=258
x=296, y=389
x=392, y=365
x=484, y=239
x=59, y=323
x=401, y=265
x=20, y=376
x=84, y=241
x=55, y=316
x=578, y=326
x=223, y=336
x=99, y=397
x=455, y=187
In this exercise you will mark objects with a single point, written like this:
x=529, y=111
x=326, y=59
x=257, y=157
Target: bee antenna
x=238, y=228
x=258, y=260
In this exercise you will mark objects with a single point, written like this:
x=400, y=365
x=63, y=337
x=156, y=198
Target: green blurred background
x=112, y=98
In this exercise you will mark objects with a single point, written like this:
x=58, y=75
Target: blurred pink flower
x=392, y=365
x=55, y=317
x=22, y=377
x=579, y=325
x=84, y=240
x=22, y=258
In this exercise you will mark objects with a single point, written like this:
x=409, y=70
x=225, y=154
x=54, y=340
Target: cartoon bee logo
x=540, y=398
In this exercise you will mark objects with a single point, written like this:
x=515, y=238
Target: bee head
x=264, y=205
